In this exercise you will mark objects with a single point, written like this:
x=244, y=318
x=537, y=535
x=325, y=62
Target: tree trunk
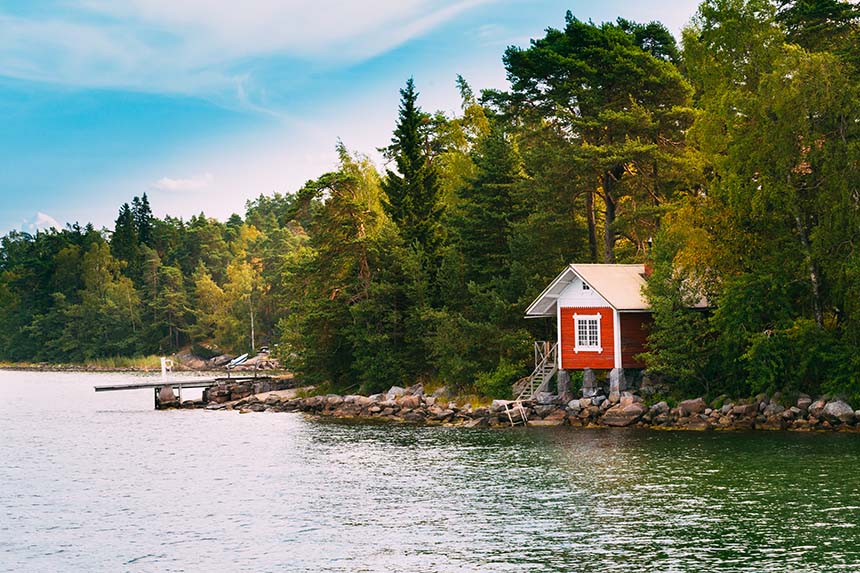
x=253, y=343
x=813, y=273
x=609, y=219
x=812, y=269
x=592, y=224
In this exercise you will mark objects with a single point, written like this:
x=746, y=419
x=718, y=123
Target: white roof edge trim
x=543, y=295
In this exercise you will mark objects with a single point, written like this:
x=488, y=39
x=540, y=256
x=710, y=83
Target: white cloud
x=205, y=47
x=195, y=183
x=40, y=222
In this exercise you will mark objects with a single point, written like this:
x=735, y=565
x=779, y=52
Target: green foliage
x=204, y=352
x=739, y=156
x=412, y=193
x=618, y=108
x=770, y=240
x=681, y=339
x=498, y=383
x=799, y=358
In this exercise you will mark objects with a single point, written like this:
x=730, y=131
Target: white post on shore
x=167, y=366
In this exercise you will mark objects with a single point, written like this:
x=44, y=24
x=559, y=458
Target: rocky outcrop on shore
x=411, y=405
x=168, y=399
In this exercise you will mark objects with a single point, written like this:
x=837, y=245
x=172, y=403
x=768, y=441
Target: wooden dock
x=179, y=384
x=189, y=383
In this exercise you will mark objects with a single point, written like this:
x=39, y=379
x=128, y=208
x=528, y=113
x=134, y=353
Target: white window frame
x=579, y=318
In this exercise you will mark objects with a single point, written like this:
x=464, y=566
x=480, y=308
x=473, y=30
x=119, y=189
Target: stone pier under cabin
x=602, y=320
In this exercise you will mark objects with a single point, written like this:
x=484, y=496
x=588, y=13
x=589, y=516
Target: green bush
x=801, y=357
x=203, y=352
x=497, y=384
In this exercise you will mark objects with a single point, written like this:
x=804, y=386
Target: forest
x=730, y=159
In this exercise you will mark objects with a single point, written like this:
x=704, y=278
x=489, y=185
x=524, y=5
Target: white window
x=587, y=332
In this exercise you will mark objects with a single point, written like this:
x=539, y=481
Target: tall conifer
x=412, y=193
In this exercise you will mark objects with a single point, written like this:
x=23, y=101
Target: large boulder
x=395, y=392
x=804, y=402
x=624, y=415
x=745, y=410
x=544, y=398
x=772, y=409
x=817, y=408
x=690, y=407
x=498, y=405
x=545, y=410
x=837, y=410
x=410, y=401
x=415, y=390
x=660, y=408
x=166, y=396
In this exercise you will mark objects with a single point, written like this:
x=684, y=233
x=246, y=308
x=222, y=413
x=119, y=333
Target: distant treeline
x=737, y=156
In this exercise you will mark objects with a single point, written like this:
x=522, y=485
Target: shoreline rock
x=410, y=405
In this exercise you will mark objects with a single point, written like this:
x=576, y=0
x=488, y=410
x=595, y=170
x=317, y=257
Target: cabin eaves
x=620, y=285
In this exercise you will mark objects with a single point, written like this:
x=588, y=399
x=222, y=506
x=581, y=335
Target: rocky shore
x=411, y=405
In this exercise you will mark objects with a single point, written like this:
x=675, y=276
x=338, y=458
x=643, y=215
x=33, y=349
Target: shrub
x=203, y=352
x=498, y=383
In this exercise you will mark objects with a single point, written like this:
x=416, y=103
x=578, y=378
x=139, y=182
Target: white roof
x=620, y=285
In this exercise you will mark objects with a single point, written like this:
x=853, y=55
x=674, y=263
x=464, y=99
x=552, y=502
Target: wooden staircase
x=546, y=366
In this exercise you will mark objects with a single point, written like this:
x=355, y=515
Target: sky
x=204, y=104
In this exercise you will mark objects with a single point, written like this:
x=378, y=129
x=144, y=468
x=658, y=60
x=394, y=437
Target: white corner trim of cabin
x=558, y=327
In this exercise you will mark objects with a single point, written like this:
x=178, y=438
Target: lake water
x=101, y=482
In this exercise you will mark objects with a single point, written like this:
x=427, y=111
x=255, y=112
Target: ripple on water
x=101, y=482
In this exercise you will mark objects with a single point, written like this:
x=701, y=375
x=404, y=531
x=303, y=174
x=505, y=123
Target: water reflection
x=101, y=482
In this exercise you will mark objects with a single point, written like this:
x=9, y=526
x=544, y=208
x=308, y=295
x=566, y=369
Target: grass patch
x=152, y=362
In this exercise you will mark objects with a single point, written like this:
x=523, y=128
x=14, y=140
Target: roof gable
x=620, y=285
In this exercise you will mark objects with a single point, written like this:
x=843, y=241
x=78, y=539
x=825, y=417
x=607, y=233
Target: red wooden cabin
x=601, y=314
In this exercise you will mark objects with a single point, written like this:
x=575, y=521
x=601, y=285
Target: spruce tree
x=483, y=218
x=412, y=193
x=142, y=219
x=124, y=242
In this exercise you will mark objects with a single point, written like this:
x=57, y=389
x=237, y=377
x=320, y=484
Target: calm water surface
x=101, y=482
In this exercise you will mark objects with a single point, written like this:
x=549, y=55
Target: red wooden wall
x=571, y=360
x=634, y=332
